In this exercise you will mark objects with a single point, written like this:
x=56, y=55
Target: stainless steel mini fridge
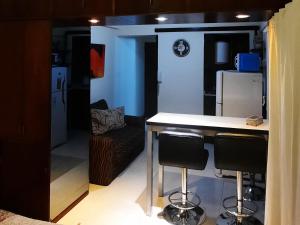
x=238, y=94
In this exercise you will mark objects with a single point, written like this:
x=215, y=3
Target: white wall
x=103, y=88
x=125, y=74
x=181, y=88
x=129, y=74
x=123, y=83
x=140, y=76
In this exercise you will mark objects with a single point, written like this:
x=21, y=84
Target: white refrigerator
x=58, y=106
x=238, y=94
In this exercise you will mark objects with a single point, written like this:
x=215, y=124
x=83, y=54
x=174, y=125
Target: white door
x=180, y=78
x=58, y=118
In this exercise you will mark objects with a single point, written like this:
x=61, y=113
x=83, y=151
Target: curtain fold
x=283, y=172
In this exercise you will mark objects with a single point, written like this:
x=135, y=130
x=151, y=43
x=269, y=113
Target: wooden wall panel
x=97, y=8
x=132, y=7
x=82, y=8
x=11, y=74
x=233, y=5
x=172, y=6
x=25, y=138
x=75, y=9
x=67, y=8
x=24, y=9
x=37, y=80
x=24, y=182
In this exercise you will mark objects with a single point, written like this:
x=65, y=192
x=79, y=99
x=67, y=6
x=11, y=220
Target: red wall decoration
x=97, y=54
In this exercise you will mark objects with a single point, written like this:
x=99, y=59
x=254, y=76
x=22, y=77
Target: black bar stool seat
x=185, y=150
x=240, y=153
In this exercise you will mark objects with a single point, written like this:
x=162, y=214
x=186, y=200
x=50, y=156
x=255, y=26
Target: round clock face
x=181, y=48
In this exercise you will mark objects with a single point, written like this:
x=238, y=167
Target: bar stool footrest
x=192, y=200
x=247, y=211
x=227, y=219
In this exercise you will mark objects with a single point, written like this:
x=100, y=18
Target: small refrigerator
x=58, y=106
x=238, y=94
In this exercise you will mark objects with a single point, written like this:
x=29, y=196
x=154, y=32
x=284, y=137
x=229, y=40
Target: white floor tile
x=123, y=201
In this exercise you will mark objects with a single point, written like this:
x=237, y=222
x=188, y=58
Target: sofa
x=113, y=151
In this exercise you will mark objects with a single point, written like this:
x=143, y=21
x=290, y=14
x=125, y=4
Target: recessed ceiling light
x=94, y=21
x=242, y=16
x=161, y=19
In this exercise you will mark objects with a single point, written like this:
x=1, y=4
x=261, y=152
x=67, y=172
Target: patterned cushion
x=8, y=218
x=4, y=215
x=106, y=120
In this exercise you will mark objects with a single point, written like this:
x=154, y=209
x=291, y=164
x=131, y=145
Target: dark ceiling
x=210, y=17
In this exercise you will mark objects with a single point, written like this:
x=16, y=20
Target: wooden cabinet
x=24, y=178
x=233, y=5
x=98, y=7
x=67, y=8
x=37, y=76
x=132, y=7
x=25, y=118
x=81, y=8
x=24, y=9
x=169, y=6
x=76, y=9
x=12, y=81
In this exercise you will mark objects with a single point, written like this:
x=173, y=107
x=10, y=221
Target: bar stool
x=241, y=153
x=185, y=150
x=252, y=191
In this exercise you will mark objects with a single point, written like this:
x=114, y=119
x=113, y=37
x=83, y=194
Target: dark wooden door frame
x=151, y=85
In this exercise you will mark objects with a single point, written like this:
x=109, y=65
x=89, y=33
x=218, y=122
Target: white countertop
x=205, y=121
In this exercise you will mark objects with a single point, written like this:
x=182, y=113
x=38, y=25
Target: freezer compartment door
x=58, y=119
x=242, y=94
x=59, y=76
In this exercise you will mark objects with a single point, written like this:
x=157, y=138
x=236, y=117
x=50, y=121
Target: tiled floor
x=123, y=202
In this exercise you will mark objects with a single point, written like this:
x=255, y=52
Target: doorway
x=79, y=88
x=151, y=84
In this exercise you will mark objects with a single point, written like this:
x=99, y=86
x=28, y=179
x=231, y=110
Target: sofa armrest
x=136, y=121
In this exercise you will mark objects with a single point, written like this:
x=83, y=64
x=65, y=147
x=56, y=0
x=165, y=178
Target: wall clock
x=181, y=48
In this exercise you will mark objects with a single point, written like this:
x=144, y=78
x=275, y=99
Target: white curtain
x=283, y=173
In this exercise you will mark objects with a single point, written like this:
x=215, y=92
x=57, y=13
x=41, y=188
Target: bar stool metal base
x=227, y=219
x=254, y=194
x=194, y=216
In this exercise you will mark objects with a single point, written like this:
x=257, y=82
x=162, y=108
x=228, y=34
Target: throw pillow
x=106, y=120
x=101, y=104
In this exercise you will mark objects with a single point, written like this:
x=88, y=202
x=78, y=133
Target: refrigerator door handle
x=219, y=109
x=264, y=101
x=63, y=94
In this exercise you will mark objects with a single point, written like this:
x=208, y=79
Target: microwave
x=247, y=62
